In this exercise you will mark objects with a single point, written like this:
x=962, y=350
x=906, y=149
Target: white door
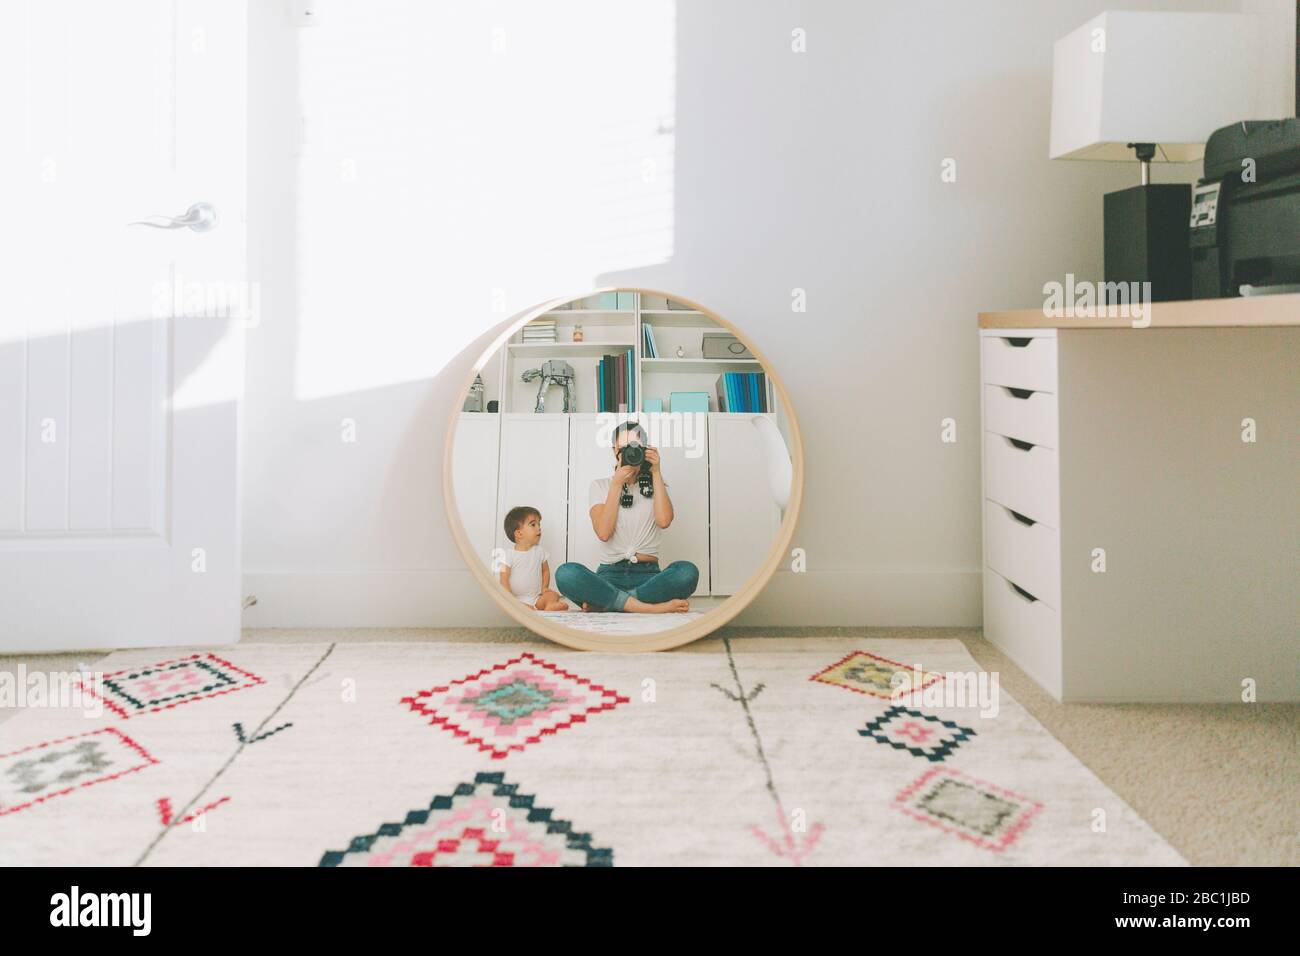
x=120, y=345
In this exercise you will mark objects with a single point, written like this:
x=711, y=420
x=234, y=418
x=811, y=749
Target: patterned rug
x=744, y=752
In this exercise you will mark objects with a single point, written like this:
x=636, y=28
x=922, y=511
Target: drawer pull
x=1023, y=593
x=1021, y=444
x=1018, y=392
x=1023, y=519
x=1017, y=342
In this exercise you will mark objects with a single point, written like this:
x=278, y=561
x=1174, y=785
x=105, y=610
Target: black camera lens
x=631, y=454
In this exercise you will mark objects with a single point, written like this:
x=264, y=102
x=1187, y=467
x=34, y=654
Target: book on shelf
x=742, y=392
x=615, y=382
x=603, y=369
x=539, y=330
x=648, y=347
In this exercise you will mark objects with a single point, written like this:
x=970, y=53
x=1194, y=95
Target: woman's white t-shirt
x=634, y=528
x=525, y=572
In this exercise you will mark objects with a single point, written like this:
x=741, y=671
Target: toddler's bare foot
x=550, y=601
x=667, y=607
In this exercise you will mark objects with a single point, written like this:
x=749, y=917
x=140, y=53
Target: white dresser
x=1141, y=517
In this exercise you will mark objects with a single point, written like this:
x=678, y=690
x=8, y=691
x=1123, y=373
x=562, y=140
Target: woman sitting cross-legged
x=629, y=511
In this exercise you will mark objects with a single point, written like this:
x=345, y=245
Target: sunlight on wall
x=461, y=162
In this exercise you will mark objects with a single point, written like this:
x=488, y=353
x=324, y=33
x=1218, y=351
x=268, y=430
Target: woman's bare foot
x=667, y=607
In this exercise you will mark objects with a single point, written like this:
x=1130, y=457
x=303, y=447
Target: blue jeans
x=610, y=585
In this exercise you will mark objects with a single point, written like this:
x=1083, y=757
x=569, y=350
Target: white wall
x=421, y=171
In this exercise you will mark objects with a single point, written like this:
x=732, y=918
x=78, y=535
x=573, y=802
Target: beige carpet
x=1219, y=782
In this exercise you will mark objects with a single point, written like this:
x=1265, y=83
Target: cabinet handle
x=1023, y=519
x=1017, y=342
x=1023, y=593
x=1018, y=392
x=1021, y=444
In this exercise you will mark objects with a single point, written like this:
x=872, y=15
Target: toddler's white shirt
x=525, y=572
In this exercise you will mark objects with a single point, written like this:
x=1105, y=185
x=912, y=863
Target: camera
x=632, y=454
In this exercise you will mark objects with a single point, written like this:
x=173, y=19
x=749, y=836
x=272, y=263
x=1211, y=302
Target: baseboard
x=869, y=599
x=452, y=598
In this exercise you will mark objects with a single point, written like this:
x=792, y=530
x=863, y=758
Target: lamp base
x=1146, y=231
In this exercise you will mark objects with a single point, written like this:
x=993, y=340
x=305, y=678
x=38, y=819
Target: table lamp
x=1151, y=87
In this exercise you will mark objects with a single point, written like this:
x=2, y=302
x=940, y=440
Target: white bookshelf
x=607, y=331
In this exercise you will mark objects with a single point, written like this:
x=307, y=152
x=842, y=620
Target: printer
x=1245, y=222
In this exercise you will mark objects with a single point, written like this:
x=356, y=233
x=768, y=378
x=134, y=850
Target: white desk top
x=1264, y=310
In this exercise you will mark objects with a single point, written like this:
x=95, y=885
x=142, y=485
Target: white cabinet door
x=590, y=457
x=535, y=472
x=683, y=442
x=743, y=517
x=121, y=345
x=474, y=479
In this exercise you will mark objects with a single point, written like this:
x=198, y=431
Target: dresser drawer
x=1023, y=479
x=1019, y=413
x=1027, y=631
x=1020, y=361
x=1029, y=554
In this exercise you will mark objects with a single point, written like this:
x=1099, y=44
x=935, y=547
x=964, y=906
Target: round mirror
x=623, y=471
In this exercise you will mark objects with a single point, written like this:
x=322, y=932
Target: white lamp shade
x=1166, y=78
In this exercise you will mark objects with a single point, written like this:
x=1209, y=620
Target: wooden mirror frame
x=660, y=640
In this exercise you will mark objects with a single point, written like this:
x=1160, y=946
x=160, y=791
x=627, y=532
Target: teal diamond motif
x=514, y=701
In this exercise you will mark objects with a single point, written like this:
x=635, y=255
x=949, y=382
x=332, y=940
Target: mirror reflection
x=621, y=464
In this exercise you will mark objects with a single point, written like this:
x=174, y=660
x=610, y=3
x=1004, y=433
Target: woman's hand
x=652, y=456
x=624, y=474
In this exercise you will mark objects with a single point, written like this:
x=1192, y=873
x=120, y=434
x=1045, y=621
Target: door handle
x=200, y=217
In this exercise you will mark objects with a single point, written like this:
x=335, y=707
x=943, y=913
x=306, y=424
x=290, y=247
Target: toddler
x=526, y=569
